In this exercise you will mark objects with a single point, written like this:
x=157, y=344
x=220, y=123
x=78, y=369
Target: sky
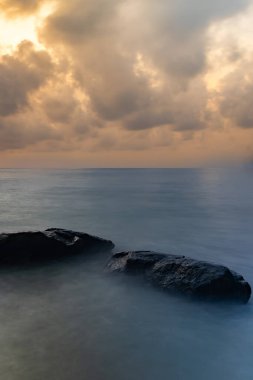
x=133, y=83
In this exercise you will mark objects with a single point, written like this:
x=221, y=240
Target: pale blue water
x=64, y=322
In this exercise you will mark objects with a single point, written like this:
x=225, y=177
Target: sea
x=74, y=320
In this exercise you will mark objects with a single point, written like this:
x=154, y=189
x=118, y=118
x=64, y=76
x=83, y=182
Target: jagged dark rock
x=183, y=274
x=36, y=246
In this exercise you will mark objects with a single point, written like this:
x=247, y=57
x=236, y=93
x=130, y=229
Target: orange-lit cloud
x=14, y=8
x=161, y=82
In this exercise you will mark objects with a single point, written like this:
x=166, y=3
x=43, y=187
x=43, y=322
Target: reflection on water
x=73, y=321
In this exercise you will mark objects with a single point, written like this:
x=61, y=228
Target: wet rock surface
x=183, y=274
x=36, y=246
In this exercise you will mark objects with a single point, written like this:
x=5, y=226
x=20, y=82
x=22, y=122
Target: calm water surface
x=73, y=321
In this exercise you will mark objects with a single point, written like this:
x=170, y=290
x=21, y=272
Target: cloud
x=148, y=119
x=21, y=74
x=236, y=95
x=41, y=102
x=122, y=74
x=103, y=39
x=27, y=129
x=74, y=22
x=174, y=33
x=19, y=7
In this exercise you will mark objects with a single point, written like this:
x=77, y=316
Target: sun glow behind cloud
x=24, y=27
x=168, y=80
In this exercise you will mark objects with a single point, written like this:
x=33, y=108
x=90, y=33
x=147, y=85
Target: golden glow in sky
x=138, y=83
x=16, y=29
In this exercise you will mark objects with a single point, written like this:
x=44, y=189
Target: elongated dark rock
x=35, y=246
x=183, y=274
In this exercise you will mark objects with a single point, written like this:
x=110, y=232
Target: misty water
x=72, y=320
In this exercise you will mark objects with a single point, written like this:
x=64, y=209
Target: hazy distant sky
x=87, y=83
